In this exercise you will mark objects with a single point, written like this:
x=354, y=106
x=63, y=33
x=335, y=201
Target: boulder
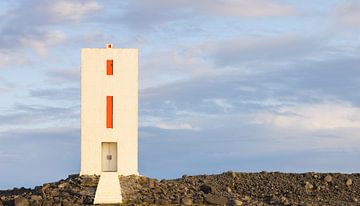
x=48, y=203
x=235, y=202
x=349, y=182
x=162, y=202
x=246, y=198
x=216, y=199
x=54, y=193
x=36, y=203
x=285, y=201
x=187, y=201
x=206, y=188
x=308, y=186
x=88, y=200
x=35, y=197
x=21, y=201
x=66, y=203
x=328, y=178
x=89, y=181
x=73, y=176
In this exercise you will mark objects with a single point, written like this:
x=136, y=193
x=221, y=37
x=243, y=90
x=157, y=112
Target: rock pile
x=229, y=189
x=75, y=190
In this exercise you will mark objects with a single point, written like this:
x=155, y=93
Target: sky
x=261, y=85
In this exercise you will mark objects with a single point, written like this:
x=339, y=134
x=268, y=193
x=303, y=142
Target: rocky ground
x=74, y=190
x=230, y=188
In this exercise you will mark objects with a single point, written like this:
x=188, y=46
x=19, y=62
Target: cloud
x=222, y=103
x=6, y=57
x=284, y=48
x=145, y=14
x=175, y=126
x=288, y=94
x=39, y=116
x=246, y=8
x=38, y=24
x=166, y=66
x=6, y=85
x=243, y=147
x=50, y=12
x=64, y=75
x=228, y=106
x=348, y=14
x=14, y=45
x=41, y=43
x=59, y=94
x=66, y=10
x=10, y=57
x=327, y=115
x=208, y=73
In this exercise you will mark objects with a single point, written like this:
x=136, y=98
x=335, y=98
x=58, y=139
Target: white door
x=109, y=157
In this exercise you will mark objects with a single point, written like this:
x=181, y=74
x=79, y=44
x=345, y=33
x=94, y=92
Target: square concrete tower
x=109, y=110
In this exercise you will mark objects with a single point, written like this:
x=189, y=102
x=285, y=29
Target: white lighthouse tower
x=109, y=112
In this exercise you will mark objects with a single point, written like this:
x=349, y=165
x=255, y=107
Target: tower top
x=109, y=46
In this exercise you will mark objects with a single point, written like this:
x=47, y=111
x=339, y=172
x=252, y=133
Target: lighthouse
x=109, y=113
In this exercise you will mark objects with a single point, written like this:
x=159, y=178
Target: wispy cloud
x=65, y=10
x=60, y=94
x=70, y=75
x=5, y=85
x=284, y=49
x=145, y=14
x=176, y=126
x=38, y=28
x=6, y=57
x=39, y=116
x=41, y=43
x=333, y=115
x=48, y=12
x=167, y=66
x=348, y=14
x=222, y=103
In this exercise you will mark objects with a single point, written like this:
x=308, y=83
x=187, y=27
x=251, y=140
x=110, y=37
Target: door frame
x=103, y=158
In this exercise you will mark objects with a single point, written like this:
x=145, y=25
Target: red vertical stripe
x=109, y=67
x=109, y=112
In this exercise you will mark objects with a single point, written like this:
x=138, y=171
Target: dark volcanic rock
x=21, y=201
x=215, y=199
x=75, y=189
x=229, y=188
x=235, y=202
x=206, y=188
x=187, y=201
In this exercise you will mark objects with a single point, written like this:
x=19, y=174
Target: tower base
x=108, y=190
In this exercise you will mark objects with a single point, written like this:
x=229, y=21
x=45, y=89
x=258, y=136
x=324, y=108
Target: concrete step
x=108, y=190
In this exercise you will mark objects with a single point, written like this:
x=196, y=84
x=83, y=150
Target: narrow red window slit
x=109, y=112
x=109, y=67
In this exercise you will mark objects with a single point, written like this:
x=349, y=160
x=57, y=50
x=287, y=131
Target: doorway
x=109, y=156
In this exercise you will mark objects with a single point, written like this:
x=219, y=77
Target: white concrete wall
x=95, y=86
